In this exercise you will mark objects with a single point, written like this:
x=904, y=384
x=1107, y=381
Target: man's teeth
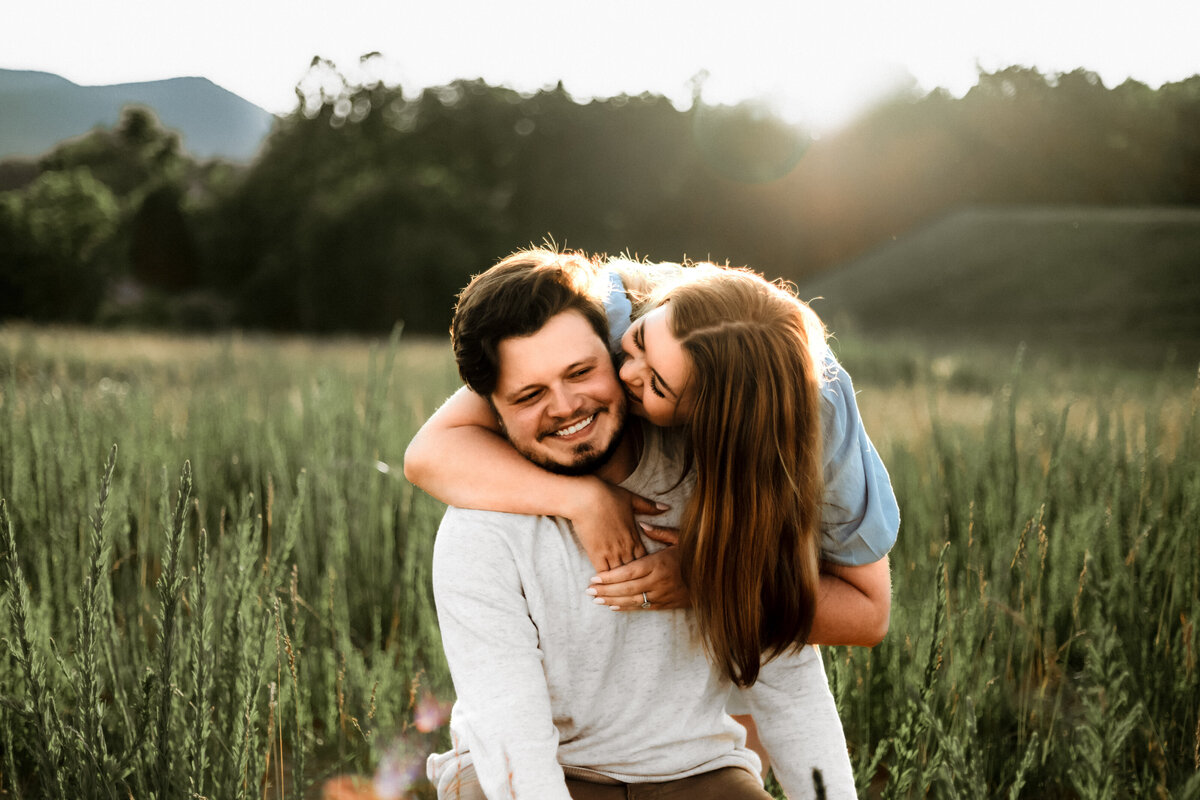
x=576, y=428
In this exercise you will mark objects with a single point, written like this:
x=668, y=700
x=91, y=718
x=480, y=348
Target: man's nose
x=564, y=402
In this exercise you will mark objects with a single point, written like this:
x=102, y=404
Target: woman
x=743, y=367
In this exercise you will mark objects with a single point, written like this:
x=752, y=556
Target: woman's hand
x=657, y=575
x=606, y=527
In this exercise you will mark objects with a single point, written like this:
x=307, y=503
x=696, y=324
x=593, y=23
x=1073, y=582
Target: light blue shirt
x=860, y=517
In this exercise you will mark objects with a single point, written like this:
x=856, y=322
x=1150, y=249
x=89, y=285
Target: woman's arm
x=460, y=457
x=854, y=604
x=860, y=520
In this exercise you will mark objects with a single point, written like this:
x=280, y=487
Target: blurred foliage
x=53, y=237
x=367, y=205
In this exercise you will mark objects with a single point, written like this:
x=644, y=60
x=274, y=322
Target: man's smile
x=574, y=428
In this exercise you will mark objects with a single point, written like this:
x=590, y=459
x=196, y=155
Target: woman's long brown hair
x=750, y=535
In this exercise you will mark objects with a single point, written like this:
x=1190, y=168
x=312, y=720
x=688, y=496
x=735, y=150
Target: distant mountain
x=38, y=110
x=1092, y=278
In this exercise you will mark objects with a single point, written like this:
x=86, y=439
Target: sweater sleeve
x=798, y=723
x=491, y=645
x=860, y=516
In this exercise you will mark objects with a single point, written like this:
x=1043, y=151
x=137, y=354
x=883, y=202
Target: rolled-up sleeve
x=860, y=517
x=618, y=309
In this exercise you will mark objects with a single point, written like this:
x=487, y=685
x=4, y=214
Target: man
x=558, y=697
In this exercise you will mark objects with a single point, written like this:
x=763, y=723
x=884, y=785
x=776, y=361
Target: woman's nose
x=630, y=369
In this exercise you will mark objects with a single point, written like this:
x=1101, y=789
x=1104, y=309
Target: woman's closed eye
x=637, y=342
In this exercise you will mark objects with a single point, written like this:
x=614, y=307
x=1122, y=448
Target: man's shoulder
x=472, y=536
x=663, y=459
x=489, y=528
x=496, y=522
x=666, y=447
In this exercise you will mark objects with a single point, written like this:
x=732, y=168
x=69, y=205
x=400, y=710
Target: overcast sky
x=817, y=61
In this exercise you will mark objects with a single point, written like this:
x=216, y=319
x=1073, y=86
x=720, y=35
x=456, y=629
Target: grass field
x=237, y=603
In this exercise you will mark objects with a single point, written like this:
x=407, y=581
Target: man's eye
x=579, y=373
x=525, y=398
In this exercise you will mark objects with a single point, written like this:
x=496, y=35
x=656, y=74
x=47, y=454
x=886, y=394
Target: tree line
x=366, y=207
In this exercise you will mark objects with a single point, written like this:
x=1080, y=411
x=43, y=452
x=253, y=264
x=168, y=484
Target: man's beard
x=589, y=459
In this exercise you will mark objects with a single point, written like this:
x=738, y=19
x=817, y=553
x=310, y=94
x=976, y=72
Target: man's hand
x=657, y=575
x=606, y=527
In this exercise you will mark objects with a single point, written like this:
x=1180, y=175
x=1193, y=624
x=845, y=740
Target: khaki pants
x=730, y=783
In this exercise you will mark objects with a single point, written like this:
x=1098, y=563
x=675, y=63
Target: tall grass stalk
x=37, y=707
x=91, y=619
x=170, y=590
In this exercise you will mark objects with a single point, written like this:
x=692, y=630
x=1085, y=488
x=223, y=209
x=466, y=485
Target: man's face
x=558, y=396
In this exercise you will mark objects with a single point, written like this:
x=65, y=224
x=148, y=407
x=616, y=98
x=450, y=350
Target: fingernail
x=592, y=592
x=615, y=608
x=600, y=601
x=596, y=579
x=645, y=527
x=661, y=506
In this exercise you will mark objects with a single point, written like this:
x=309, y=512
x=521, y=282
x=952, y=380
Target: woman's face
x=656, y=371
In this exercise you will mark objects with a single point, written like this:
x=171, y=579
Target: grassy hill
x=1097, y=281
x=38, y=110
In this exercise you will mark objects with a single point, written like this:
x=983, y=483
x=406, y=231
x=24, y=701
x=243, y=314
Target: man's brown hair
x=516, y=297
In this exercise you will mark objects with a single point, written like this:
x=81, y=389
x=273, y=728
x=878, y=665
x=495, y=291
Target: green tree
x=162, y=251
x=55, y=246
x=367, y=205
x=137, y=155
x=1181, y=106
